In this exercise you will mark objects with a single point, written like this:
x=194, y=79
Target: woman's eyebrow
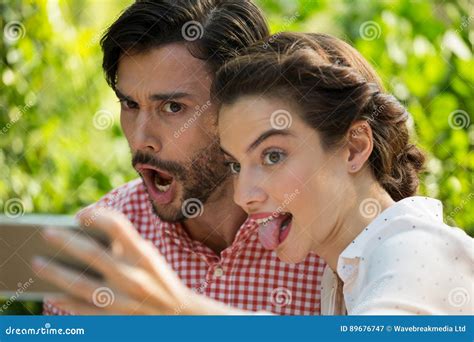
x=267, y=134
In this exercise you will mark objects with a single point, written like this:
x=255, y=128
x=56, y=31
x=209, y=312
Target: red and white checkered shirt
x=244, y=275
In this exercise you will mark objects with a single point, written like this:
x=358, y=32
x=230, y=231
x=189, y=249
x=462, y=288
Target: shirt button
x=218, y=272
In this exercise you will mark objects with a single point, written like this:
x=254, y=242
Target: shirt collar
x=410, y=207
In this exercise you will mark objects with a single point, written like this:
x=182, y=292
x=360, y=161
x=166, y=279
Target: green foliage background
x=56, y=158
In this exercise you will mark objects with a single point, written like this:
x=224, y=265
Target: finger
x=115, y=225
x=82, y=247
x=72, y=282
x=76, y=307
x=88, y=291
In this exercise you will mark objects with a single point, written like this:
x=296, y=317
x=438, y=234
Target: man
x=159, y=58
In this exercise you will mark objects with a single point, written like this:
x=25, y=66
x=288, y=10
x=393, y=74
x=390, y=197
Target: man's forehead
x=170, y=66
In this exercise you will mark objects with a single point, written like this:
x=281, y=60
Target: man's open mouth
x=273, y=228
x=160, y=184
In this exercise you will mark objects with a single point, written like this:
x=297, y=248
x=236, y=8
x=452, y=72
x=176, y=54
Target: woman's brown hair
x=334, y=86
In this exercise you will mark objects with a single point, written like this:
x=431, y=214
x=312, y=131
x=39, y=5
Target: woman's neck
x=370, y=200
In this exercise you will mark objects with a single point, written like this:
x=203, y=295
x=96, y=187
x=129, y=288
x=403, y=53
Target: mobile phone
x=20, y=241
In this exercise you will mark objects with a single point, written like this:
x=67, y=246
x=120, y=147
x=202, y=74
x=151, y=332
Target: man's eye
x=127, y=104
x=172, y=107
x=273, y=157
x=234, y=167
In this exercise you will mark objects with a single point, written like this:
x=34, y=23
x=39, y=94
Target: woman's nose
x=249, y=194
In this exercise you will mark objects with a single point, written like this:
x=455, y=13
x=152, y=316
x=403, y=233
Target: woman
x=321, y=159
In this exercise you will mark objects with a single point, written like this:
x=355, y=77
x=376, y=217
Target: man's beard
x=198, y=179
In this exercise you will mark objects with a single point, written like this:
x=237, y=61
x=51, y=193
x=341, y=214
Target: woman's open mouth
x=161, y=186
x=273, y=228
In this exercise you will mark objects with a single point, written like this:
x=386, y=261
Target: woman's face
x=283, y=178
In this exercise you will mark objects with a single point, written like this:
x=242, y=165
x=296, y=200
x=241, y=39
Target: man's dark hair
x=213, y=30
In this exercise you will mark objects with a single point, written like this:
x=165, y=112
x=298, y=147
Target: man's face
x=171, y=127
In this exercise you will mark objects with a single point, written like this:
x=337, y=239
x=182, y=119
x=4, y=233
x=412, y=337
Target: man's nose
x=147, y=135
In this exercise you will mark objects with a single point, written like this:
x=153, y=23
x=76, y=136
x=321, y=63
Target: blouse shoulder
x=422, y=265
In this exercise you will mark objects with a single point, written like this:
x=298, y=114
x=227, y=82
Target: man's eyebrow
x=169, y=96
x=155, y=97
x=121, y=96
x=267, y=134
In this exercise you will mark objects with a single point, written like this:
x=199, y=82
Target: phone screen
x=20, y=241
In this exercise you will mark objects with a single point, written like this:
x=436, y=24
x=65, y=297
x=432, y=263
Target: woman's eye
x=234, y=167
x=172, y=107
x=273, y=157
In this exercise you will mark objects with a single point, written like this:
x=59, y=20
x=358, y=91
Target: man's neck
x=220, y=220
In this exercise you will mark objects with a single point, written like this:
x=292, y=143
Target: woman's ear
x=359, y=145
